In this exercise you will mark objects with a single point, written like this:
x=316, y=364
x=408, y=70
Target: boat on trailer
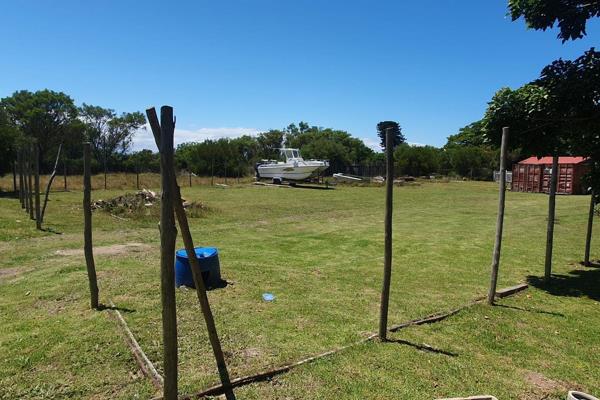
x=294, y=168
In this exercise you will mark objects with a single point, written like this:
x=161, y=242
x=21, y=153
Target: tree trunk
x=25, y=162
x=50, y=183
x=588, y=236
x=36, y=170
x=195, y=267
x=389, y=205
x=551, y=214
x=87, y=226
x=500, y=220
x=168, y=234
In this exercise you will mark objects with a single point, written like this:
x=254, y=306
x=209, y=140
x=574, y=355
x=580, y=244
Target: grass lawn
x=321, y=254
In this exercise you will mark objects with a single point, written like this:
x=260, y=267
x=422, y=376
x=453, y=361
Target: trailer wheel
x=277, y=181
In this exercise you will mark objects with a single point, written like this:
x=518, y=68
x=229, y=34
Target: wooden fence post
x=190, y=172
x=49, y=186
x=194, y=265
x=87, y=226
x=15, y=177
x=551, y=215
x=65, y=172
x=137, y=177
x=36, y=168
x=30, y=180
x=500, y=220
x=212, y=171
x=588, y=237
x=168, y=234
x=389, y=205
x=21, y=184
x=25, y=162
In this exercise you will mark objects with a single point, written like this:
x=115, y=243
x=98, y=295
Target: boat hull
x=283, y=171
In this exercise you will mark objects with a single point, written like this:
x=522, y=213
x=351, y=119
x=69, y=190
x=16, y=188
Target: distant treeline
x=49, y=119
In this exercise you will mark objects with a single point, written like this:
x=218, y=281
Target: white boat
x=294, y=168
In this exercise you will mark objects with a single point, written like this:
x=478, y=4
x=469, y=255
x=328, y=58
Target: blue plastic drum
x=208, y=258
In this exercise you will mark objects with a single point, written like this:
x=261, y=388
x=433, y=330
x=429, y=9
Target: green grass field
x=321, y=253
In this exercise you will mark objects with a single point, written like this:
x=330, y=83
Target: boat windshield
x=290, y=153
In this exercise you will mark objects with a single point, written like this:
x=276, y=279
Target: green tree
x=48, y=116
x=383, y=126
x=9, y=139
x=570, y=15
x=417, y=160
x=470, y=135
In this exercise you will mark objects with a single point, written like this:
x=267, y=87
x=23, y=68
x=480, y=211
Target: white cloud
x=372, y=144
x=413, y=144
x=143, y=139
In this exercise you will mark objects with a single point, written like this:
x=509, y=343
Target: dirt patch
x=112, y=250
x=7, y=273
x=543, y=387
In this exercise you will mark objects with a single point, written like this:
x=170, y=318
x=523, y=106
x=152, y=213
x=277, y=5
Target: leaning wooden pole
x=168, y=234
x=36, y=171
x=49, y=185
x=195, y=267
x=389, y=205
x=500, y=220
x=87, y=225
x=551, y=215
x=588, y=236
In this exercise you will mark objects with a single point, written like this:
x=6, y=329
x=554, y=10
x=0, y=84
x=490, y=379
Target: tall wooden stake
x=588, y=236
x=21, y=181
x=49, y=185
x=65, y=172
x=15, y=177
x=25, y=161
x=500, y=220
x=87, y=225
x=168, y=234
x=190, y=174
x=389, y=205
x=551, y=214
x=36, y=169
x=194, y=265
x=30, y=180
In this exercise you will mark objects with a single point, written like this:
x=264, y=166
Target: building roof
x=548, y=160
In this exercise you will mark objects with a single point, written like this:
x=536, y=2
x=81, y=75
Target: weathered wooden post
x=21, y=182
x=49, y=185
x=87, y=225
x=15, y=177
x=500, y=220
x=551, y=215
x=194, y=265
x=137, y=177
x=25, y=162
x=30, y=180
x=36, y=169
x=65, y=172
x=588, y=237
x=212, y=171
x=168, y=234
x=190, y=175
x=389, y=205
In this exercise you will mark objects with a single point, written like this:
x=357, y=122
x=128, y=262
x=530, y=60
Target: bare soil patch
x=112, y=250
x=7, y=273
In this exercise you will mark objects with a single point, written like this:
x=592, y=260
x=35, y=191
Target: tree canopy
x=570, y=15
x=383, y=126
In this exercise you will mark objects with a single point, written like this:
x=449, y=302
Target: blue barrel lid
x=201, y=252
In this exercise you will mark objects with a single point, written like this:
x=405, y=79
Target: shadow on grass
x=530, y=310
x=593, y=264
x=51, y=230
x=422, y=347
x=313, y=187
x=578, y=283
x=103, y=307
x=9, y=195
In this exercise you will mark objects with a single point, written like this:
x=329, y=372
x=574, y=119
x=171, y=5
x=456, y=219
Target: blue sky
x=233, y=67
